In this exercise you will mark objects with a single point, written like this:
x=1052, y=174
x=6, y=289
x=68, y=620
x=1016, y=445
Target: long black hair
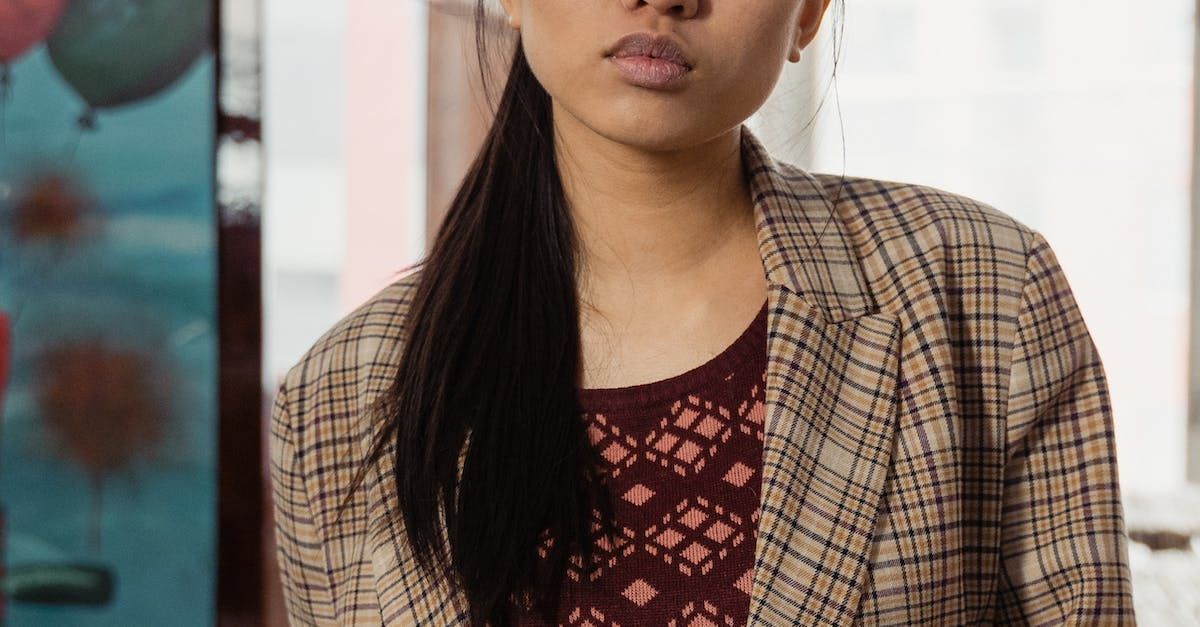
x=488, y=371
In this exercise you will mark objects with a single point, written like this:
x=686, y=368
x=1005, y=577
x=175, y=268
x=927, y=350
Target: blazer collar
x=828, y=421
x=804, y=245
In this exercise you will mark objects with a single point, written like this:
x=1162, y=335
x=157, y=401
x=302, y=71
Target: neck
x=652, y=220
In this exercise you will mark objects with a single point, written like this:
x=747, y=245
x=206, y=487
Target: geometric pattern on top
x=681, y=459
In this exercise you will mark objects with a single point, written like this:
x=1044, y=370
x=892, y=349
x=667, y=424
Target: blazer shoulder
x=918, y=244
x=898, y=209
x=368, y=336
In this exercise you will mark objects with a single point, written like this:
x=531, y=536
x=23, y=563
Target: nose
x=682, y=8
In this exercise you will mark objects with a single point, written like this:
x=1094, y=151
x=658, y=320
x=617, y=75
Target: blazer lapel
x=829, y=422
x=830, y=407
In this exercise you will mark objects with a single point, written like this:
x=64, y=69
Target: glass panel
x=107, y=296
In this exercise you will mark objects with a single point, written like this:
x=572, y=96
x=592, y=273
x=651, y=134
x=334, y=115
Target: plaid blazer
x=938, y=436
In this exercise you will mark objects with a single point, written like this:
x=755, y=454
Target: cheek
x=752, y=75
x=549, y=63
x=559, y=58
x=756, y=49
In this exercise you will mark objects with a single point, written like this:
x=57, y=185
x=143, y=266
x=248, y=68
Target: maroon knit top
x=682, y=460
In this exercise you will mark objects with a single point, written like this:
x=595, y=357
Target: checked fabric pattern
x=937, y=431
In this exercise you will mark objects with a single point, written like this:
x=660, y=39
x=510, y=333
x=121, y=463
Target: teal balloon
x=114, y=52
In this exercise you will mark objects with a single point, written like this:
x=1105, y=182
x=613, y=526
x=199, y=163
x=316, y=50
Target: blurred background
x=192, y=192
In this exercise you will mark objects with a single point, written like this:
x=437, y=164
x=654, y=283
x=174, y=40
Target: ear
x=808, y=24
x=513, y=11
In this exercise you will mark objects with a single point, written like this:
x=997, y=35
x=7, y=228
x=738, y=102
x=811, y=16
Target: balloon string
x=87, y=120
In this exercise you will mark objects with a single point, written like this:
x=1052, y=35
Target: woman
x=805, y=399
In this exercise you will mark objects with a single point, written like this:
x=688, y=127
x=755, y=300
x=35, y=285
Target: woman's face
x=736, y=50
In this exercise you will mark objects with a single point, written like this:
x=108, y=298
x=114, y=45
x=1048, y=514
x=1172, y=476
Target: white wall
x=1075, y=118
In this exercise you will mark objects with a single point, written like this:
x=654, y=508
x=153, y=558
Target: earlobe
x=797, y=47
x=797, y=41
x=509, y=10
x=794, y=54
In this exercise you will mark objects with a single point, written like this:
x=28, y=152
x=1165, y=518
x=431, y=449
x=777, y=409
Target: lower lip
x=650, y=72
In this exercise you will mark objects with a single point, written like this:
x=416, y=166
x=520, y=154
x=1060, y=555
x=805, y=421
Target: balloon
x=24, y=23
x=114, y=52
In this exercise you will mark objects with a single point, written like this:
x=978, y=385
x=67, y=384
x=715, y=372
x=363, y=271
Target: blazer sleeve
x=299, y=550
x=1064, y=553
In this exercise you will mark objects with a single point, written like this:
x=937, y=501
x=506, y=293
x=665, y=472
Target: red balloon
x=24, y=23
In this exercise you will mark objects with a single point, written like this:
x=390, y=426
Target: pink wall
x=384, y=143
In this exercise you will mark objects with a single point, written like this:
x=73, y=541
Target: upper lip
x=650, y=45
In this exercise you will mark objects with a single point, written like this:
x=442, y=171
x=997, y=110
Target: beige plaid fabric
x=938, y=436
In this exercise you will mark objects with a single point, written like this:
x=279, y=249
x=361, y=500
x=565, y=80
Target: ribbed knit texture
x=682, y=459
